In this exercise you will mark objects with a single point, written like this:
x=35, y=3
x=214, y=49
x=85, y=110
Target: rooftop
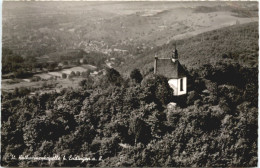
x=169, y=68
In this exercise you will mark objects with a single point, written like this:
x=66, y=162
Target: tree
x=86, y=74
x=136, y=75
x=52, y=66
x=65, y=63
x=140, y=130
x=163, y=92
x=83, y=83
x=72, y=74
x=77, y=73
x=192, y=97
x=64, y=76
x=20, y=73
x=113, y=76
x=84, y=61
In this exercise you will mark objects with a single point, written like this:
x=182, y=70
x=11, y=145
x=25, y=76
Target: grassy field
x=57, y=84
x=42, y=86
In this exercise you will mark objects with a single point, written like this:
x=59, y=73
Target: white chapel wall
x=175, y=84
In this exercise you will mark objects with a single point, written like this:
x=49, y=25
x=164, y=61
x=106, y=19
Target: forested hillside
x=125, y=122
x=234, y=44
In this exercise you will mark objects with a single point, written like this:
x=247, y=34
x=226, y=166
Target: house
x=55, y=74
x=172, y=69
x=43, y=76
x=60, y=65
x=27, y=80
x=83, y=60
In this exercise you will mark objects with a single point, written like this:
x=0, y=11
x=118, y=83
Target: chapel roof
x=169, y=68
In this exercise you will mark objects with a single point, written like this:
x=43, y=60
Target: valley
x=65, y=31
x=106, y=28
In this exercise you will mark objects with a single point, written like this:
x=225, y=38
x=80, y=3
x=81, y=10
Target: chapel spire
x=175, y=53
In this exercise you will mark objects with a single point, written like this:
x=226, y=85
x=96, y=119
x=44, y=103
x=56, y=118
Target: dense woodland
x=126, y=122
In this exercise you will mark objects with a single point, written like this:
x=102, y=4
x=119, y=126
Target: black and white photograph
x=129, y=83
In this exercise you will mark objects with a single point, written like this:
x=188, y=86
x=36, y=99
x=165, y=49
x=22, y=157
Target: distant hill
x=41, y=28
x=237, y=44
x=239, y=11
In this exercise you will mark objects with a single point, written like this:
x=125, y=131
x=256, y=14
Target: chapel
x=171, y=68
